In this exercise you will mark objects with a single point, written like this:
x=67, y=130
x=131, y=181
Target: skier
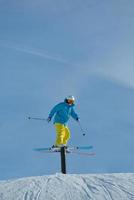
x=62, y=113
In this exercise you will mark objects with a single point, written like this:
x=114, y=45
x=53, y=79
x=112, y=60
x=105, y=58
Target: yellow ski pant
x=62, y=134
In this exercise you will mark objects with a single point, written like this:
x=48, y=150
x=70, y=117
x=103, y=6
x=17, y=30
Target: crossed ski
x=69, y=149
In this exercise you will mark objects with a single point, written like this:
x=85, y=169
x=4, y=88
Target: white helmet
x=70, y=97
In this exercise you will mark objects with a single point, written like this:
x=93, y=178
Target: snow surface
x=70, y=187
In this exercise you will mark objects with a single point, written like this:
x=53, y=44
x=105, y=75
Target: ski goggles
x=70, y=101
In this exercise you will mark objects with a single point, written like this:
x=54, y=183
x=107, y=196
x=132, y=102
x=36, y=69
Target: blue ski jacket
x=62, y=113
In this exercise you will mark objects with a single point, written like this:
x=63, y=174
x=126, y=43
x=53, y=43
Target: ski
x=82, y=154
x=48, y=149
x=80, y=147
x=69, y=148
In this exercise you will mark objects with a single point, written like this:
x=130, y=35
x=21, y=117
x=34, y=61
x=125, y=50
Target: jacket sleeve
x=74, y=114
x=54, y=110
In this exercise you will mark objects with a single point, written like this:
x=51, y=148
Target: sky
x=50, y=49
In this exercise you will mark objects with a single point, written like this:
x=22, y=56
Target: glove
x=77, y=119
x=48, y=119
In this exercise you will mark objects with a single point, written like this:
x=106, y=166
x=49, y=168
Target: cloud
x=121, y=72
x=34, y=51
x=119, y=66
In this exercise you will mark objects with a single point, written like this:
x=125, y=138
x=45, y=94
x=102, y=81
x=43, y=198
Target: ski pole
x=82, y=130
x=37, y=118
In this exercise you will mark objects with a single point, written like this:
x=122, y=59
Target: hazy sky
x=49, y=49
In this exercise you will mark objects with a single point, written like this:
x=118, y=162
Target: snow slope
x=70, y=187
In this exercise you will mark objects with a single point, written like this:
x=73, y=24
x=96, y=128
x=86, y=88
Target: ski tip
x=40, y=149
x=36, y=149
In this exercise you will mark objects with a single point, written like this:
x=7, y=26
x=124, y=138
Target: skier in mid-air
x=62, y=113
